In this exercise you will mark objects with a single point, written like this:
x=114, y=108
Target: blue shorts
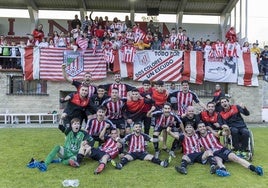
x=96, y=154
x=196, y=157
x=138, y=155
x=223, y=153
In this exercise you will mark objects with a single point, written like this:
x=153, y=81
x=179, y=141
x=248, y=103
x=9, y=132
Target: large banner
x=193, y=67
x=165, y=65
x=48, y=62
x=221, y=69
x=30, y=63
x=248, y=70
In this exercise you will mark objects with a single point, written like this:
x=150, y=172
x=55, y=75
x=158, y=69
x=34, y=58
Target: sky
x=257, y=19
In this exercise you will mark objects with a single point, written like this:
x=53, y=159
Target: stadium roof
x=188, y=7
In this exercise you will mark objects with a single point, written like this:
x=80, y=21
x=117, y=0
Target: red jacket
x=99, y=33
x=38, y=35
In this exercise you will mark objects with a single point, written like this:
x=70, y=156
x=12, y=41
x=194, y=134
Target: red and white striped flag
x=248, y=70
x=51, y=59
x=125, y=69
x=128, y=53
x=138, y=34
x=30, y=63
x=82, y=42
x=193, y=67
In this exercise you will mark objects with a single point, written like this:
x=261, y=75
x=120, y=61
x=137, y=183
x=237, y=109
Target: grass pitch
x=18, y=146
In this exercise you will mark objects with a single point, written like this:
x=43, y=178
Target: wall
x=32, y=103
x=251, y=97
x=22, y=26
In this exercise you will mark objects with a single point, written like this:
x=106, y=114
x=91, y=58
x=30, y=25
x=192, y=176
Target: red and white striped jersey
x=94, y=44
x=219, y=50
x=114, y=109
x=182, y=38
x=122, y=89
x=107, y=45
x=190, y=144
x=91, y=88
x=136, y=143
x=117, y=25
x=128, y=53
x=123, y=40
x=130, y=35
x=184, y=100
x=110, y=147
x=94, y=127
x=162, y=121
x=167, y=46
x=231, y=49
x=173, y=37
x=108, y=55
x=210, y=142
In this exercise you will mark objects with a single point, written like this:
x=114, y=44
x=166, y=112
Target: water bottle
x=75, y=183
x=70, y=183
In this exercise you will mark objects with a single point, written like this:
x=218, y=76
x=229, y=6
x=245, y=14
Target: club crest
x=74, y=63
x=143, y=58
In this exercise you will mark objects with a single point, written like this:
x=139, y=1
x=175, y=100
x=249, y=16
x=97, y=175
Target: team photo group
x=117, y=123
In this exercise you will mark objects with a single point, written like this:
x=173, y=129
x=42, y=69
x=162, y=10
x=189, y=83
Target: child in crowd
x=76, y=32
x=56, y=38
x=43, y=44
x=94, y=44
x=108, y=54
x=62, y=42
x=51, y=43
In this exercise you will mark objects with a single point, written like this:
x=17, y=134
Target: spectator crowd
x=111, y=36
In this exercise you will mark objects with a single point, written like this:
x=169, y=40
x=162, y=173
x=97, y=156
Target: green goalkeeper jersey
x=74, y=140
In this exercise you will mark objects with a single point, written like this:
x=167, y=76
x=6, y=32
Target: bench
x=27, y=118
